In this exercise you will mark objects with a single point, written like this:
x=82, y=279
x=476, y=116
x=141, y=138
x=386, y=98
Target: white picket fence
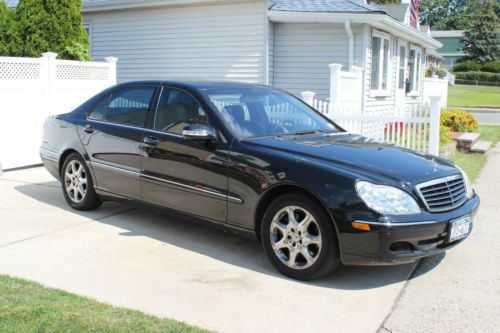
x=414, y=127
x=32, y=89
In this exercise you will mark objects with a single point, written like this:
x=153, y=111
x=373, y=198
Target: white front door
x=402, y=73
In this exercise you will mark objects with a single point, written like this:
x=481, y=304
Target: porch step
x=480, y=147
x=467, y=140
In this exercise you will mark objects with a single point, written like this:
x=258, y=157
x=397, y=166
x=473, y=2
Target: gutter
x=348, y=30
x=377, y=20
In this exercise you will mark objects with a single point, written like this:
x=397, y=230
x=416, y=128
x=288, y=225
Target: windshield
x=254, y=112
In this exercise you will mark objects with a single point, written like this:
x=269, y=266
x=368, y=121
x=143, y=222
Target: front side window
x=176, y=110
x=415, y=67
x=381, y=62
x=253, y=112
x=130, y=106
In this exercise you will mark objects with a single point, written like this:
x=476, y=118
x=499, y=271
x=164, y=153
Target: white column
x=112, y=69
x=49, y=73
x=334, y=86
x=308, y=97
x=435, y=120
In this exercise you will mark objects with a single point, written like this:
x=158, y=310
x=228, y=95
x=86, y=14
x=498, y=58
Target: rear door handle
x=88, y=129
x=151, y=140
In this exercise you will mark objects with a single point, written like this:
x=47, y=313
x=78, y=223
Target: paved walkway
x=149, y=260
x=459, y=292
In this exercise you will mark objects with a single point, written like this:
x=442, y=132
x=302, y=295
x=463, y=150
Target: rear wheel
x=77, y=184
x=299, y=238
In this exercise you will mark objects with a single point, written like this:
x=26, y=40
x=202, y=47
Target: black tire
x=326, y=259
x=90, y=200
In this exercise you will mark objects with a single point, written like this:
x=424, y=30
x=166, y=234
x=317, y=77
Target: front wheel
x=77, y=184
x=299, y=238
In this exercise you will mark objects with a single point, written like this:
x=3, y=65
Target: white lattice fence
x=33, y=88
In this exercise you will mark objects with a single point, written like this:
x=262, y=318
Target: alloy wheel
x=295, y=237
x=75, y=181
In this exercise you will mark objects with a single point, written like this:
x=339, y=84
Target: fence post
x=308, y=97
x=112, y=69
x=334, y=86
x=50, y=78
x=435, y=119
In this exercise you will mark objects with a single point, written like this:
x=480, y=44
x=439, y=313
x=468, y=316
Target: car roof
x=199, y=85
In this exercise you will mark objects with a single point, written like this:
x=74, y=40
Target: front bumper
x=403, y=242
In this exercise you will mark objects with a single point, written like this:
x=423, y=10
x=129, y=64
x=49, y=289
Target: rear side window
x=130, y=106
x=100, y=109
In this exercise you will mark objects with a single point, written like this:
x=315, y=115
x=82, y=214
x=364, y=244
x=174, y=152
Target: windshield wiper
x=305, y=132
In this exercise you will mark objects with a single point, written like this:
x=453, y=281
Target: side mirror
x=199, y=132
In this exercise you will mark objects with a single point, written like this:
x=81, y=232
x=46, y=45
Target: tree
x=51, y=25
x=447, y=14
x=482, y=37
x=9, y=36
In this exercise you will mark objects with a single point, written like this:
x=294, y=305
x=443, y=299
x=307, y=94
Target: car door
x=112, y=136
x=187, y=175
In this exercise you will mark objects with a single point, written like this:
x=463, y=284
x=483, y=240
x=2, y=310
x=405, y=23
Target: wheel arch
x=274, y=192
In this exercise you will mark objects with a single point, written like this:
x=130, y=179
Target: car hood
x=361, y=153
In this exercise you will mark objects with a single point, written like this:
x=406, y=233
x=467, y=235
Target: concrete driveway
x=151, y=260
x=154, y=261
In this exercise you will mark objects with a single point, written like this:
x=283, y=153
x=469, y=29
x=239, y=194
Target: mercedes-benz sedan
x=260, y=162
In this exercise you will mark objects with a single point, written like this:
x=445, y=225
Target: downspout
x=348, y=30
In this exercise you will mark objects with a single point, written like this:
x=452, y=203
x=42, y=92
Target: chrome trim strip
x=402, y=224
x=110, y=167
x=418, y=187
x=194, y=188
x=134, y=127
x=50, y=152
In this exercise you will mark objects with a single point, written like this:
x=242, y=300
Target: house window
x=381, y=62
x=402, y=67
x=415, y=69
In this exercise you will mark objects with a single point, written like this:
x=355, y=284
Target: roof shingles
x=330, y=6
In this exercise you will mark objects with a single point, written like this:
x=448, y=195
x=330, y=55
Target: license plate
x=459, y=228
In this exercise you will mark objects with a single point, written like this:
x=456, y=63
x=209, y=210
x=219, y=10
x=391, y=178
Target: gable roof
x=397, y=11
x=323, y=6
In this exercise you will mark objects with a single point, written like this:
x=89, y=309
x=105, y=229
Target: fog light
x=361, y=226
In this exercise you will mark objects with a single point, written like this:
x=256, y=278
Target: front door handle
x=88, y=128
x=151, y=140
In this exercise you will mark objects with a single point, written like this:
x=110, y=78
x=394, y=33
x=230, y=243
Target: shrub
x=458, y=120
x=445, y=137
x=491, y=67
x=467, y=66
x=478, y=76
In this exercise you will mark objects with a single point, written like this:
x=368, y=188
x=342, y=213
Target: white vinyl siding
x=272, y=50
x=207, y=42
x=304, y=52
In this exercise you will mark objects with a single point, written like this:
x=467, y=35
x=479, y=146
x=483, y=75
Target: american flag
x=415, y=5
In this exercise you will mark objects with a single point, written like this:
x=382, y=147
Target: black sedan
x=259, y=162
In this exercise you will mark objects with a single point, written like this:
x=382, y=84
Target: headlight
x=468, y=184
x=386, y=199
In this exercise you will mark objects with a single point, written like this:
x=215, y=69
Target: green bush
x=491, y=67
x=467, y=66
x=459, y=120
x=445, y=136
x=478, y=76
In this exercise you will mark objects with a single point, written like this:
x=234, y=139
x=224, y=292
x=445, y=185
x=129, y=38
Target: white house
x=288, y=44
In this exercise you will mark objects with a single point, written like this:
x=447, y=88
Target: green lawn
x=29, y=307
x=473, y=163
x=473, y=96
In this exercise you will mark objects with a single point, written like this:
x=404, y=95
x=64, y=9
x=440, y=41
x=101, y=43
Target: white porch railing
x=32, y=89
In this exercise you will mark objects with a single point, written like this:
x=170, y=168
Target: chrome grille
x=443, y=194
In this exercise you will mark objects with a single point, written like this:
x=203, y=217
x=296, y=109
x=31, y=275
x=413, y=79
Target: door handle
x=88, y=128
x=151, y=140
